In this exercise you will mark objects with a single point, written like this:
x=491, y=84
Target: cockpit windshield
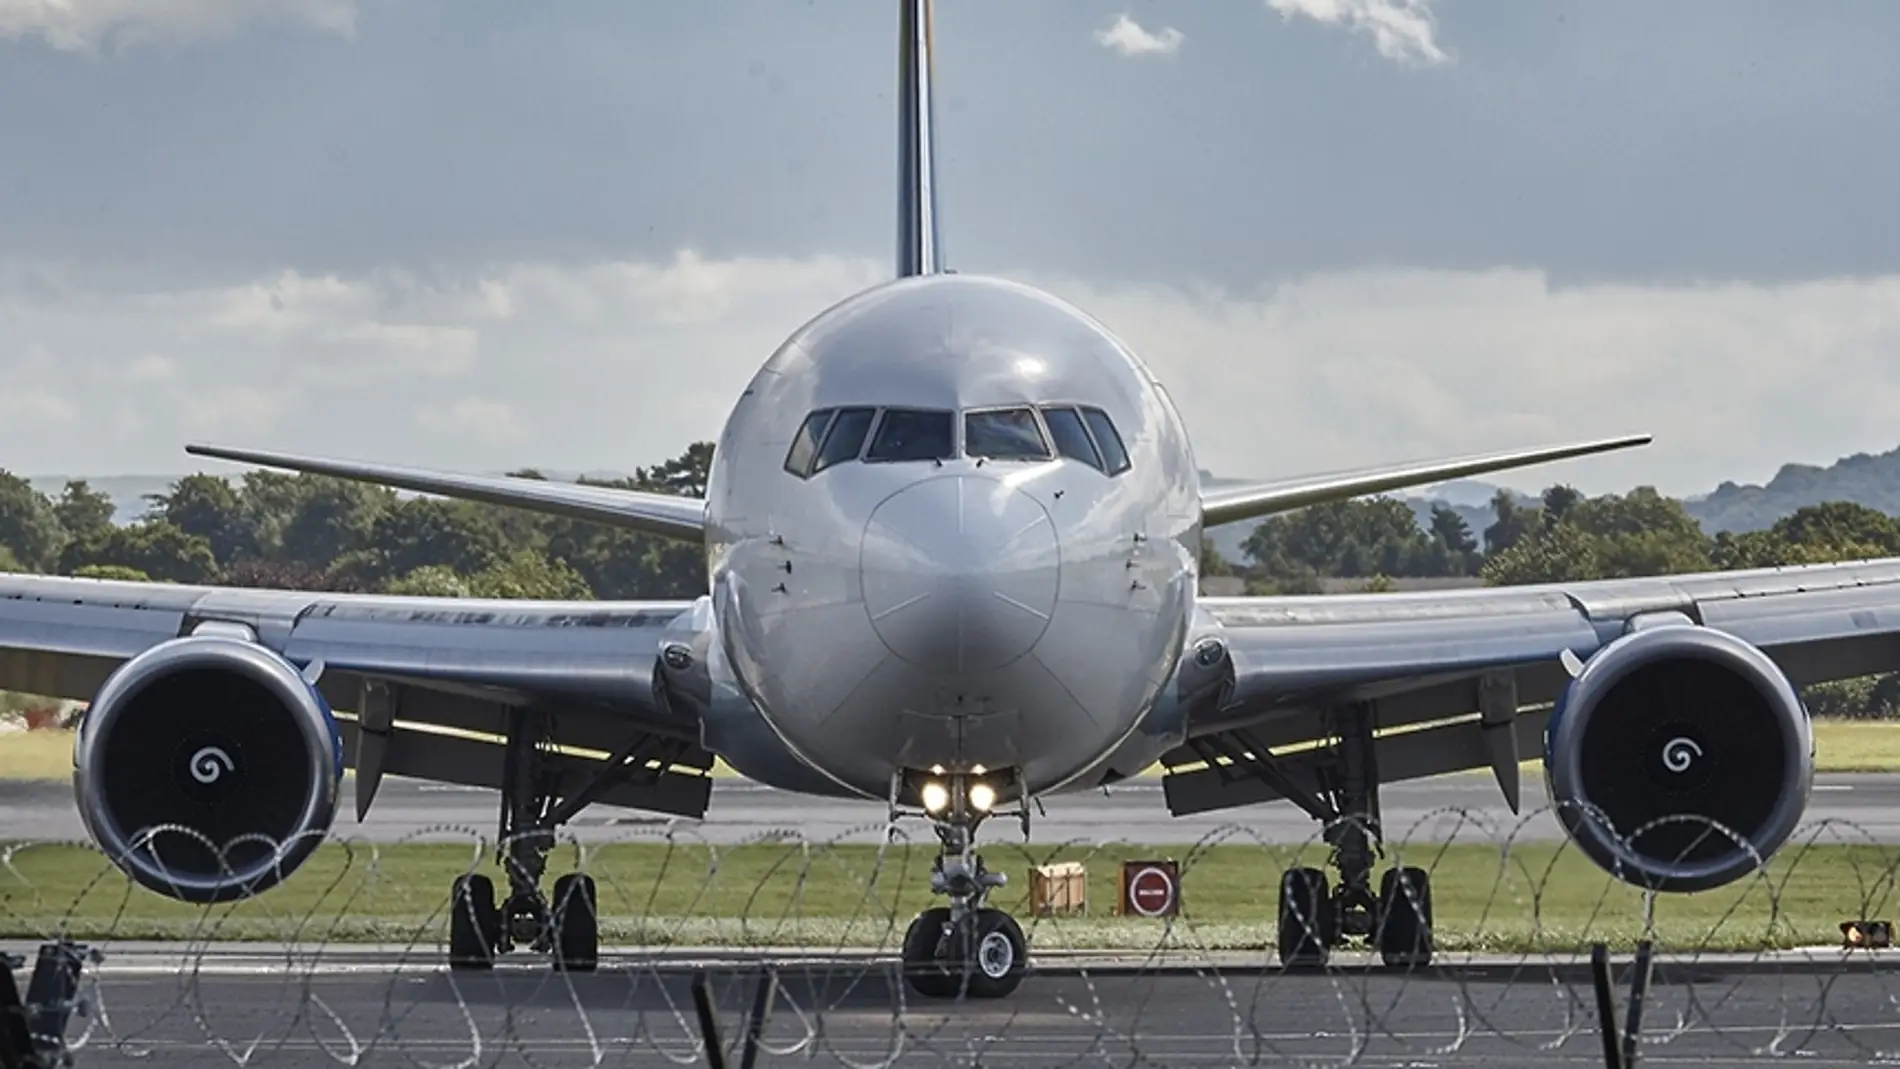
x=1004, y=434
x=914, y=434
x=831, y=436
x=845, y=438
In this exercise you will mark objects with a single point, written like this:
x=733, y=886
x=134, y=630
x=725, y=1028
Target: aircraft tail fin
x=917, y=250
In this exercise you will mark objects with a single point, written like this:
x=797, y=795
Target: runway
x=154, y=1007
x=1466, y=807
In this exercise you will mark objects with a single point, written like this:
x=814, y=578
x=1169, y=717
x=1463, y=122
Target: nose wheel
x=966, y=948
x=981, y=954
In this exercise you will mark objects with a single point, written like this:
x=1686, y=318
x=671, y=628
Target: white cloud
x=472, y=417
x=1130, y=38
x=80, y=25
x=621, y=363
x=1402, y=30
x=150, y=367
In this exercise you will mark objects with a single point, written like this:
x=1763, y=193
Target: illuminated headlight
x=982, y=797
x=936, y=796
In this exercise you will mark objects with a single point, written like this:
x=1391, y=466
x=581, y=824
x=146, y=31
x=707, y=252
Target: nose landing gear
x=967, y=947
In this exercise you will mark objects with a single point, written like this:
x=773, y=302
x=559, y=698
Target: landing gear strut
x=965, y=948
x=564, y=925
x=1315, y=919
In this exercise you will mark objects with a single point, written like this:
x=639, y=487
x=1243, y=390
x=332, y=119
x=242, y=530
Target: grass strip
x=1527, y=899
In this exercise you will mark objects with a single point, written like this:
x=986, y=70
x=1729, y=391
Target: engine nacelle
x=1680, y=758
x=207, y=768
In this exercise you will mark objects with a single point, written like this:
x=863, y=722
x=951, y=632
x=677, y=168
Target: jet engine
x=207, y=768
x=1679, y=758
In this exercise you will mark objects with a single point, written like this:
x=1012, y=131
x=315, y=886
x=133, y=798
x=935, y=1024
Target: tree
x=111, y=571
x=29, y=526
x=83, y=510
x=1344, y=538
x=9, y=562
x=1513, y=522
x=1560, y=554
x=207, y=506
x=431, y=581
x=423, y=531
x=332, y=517
x=685, y=474
x=154, y=547
x=1456, y=550
x=528, y=574
x=1558, y=501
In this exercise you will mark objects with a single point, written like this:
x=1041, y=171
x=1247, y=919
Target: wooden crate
x=1059, y=889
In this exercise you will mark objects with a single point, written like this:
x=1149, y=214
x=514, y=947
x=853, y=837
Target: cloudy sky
x=479, y=234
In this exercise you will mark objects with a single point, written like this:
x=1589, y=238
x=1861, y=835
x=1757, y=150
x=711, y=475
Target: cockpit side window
x=1072, y=438
x=1004, y=434
x=845, y=438
x=805, y=445
x=914, y=434
x=1114, y=453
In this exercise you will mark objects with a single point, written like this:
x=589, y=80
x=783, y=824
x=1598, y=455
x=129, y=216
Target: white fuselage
x=953, y=611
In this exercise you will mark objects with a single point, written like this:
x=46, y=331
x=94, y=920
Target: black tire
x=998, y=955
x=1305, y=923
x=925, y=969
x=474, y=923
x=1404, y=934
x=576, y=924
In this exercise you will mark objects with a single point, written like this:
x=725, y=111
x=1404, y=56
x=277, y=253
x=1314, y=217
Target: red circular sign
x=1151, y=891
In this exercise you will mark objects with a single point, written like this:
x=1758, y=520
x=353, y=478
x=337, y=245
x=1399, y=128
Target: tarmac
x=163, y=1006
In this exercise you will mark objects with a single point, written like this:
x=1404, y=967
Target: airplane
x=952, y=533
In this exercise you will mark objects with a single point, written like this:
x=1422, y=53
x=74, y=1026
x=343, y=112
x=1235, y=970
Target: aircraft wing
x=1253, y=501
x=656, y=514
x=1441, y=665
x=421, y=686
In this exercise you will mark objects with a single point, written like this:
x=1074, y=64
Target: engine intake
x=207, y=768
x=1680, y=758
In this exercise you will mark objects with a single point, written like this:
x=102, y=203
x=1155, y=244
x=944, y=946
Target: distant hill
x=1863, y=478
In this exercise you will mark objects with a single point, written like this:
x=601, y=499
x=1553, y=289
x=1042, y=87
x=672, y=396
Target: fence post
x=1606, y=1006
x=1639, y=990
x=708, y=1024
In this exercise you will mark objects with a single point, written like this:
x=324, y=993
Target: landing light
x=936, y=796
x=982, y=797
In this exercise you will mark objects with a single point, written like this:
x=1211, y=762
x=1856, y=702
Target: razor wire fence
x=781, y=948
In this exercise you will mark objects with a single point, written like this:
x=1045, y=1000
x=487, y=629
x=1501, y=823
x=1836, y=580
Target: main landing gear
x=965, y=948
x=1315, y=919
x=564, y=925
x=1339, y=787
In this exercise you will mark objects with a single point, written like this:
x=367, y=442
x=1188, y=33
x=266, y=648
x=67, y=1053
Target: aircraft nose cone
x=960, y=573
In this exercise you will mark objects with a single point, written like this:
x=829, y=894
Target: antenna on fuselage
x=917, y=251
